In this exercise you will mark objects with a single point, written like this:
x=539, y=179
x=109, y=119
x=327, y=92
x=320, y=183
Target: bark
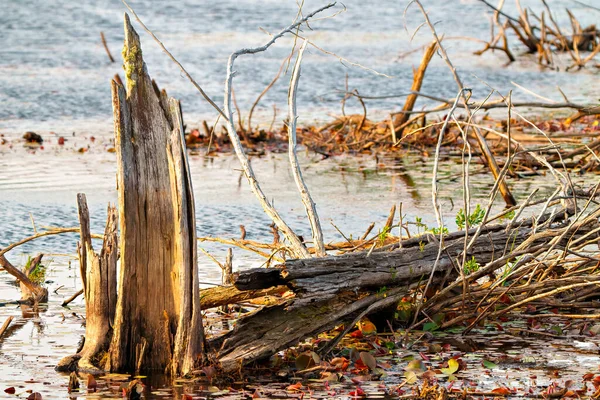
x=158, y=322
x=99, y=276
x=340, y=290
x=224, y=295
x=321, y=279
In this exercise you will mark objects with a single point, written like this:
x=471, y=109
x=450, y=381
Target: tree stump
x=99, y=277
x=158, y=321
x=157, y=317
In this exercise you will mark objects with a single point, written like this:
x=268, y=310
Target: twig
x=110, y=57
x=296, y=244
x=265, y=90
x=5, y=326
x=307, y=200
x=490, y=160
x=73, y=297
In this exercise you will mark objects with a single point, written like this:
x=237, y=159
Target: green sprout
x=471, y=266
x=475, y=218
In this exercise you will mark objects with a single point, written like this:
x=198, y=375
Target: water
x=54, y=73
x=41, y=185
x=54, y=77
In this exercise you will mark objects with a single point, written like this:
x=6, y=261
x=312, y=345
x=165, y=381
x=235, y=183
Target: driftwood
x=411, y=99
x=31, y=292
x=5, y=326
x=335, y=290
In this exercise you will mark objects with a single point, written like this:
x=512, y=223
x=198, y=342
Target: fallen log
x=274, y=328
x=330, y=291
x=318, y=279
x=224, y=295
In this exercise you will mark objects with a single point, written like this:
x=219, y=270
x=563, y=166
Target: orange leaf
x=501, y=390
x=367, y=328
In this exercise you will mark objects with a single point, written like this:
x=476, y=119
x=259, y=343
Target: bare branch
x=307, y=200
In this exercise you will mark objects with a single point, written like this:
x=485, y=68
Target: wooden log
x=340, y=290
x=418, y=77
x=158, y=307
x=99, y=272
x=224, y=295
x=274, y=328
x=315, y=280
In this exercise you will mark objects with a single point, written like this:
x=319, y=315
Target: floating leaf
x=91, y=383
x=10, y=390
x=434, y=348
x=304, y=361
x=502, y=391
x=295, y=387
x=490, y=365
x=452, y=367
x=557, y=329
x=410, y=377
x=415, y=365
x=357, y=393
x=340, y=363
x=368, y=360
x=35, y=396
x=367, y=328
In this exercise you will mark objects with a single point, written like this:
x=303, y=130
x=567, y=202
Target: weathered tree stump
x=158, y=322
x=157, y=317
x=99, y=277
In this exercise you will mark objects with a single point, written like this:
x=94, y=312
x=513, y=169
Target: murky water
x=41, y=185
x=54, y=73
x=54, y=77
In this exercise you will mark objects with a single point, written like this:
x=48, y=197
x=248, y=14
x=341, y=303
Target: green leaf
x=430, y=326
x=557, y=329
x=489, y=365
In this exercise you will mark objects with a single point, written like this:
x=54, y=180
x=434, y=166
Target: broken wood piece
x=223, y=295
x=31, y=292
x=411, y=99
x=100, y=272
x=75, y=295
x=5, y=326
